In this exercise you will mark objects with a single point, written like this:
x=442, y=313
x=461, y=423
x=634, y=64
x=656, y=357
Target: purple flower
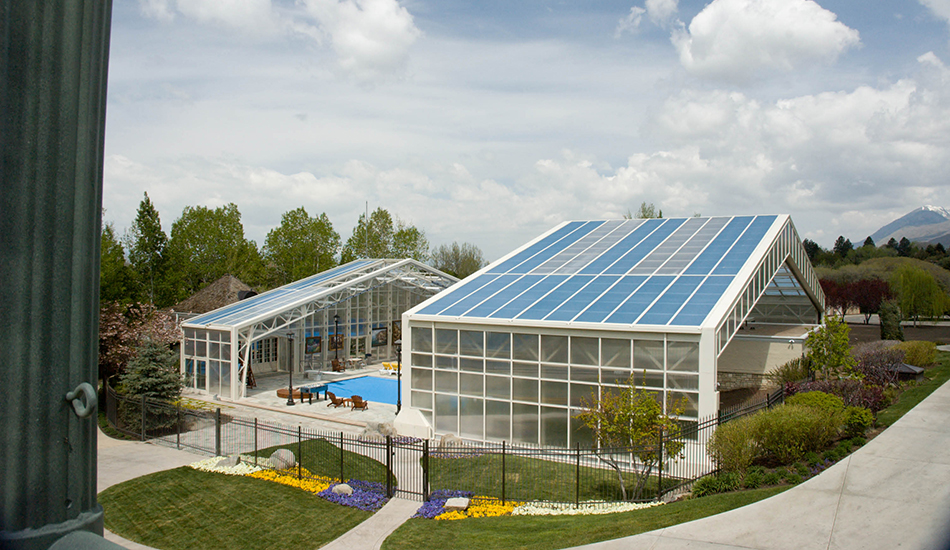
x=362, y=498
x=436, y=503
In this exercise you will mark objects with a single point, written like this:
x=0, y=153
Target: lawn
x=548, y=532
x=185, y=509
x=909, y=398
x=530, y=479
x=323, y=458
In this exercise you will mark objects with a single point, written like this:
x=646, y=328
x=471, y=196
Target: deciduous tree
x=629, y=421
x=460, y=260
x=829, y=350
x=917, y=293
x=300, y=246
x=382, y=237
x=116, y=278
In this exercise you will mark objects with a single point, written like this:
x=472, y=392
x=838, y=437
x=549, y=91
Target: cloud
x=940, y=8
x=371, y=38
x=662, y=12
x=737, y=40
x=630, y=23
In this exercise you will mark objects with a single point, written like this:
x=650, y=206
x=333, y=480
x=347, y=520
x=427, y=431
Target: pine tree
x=147, y=242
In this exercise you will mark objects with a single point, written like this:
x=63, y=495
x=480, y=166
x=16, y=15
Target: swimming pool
x=370, y=388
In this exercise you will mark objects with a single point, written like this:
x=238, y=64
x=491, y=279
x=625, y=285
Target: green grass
x=530, y=479
x=108, y=430
x=185, y=509
x=323, y=458
x=547, y=532
x=909, y=398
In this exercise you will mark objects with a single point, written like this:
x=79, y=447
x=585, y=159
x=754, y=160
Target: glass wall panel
x=615, y=353
x=649, y=379
x=471, y=365
x=201, y=348
x=498, y=367
x=498, y=344
x=225, y=367
x=498, y=387
x=447, y=413
x=429, y=417
x=471, y=384
x=226, y=352
x=421, y=400
x=557, y=372
x=498, y=420
x=554, y=426
x=422, y=360
x=214, y=350
x=525, y=346
x=200, y=376
x=189, y=347
x=584, y=351
x=470, y=417
x=554, y=349
x=446, y=341
x=524, y=369
x=190, y=333
x=682, y=381
x=471, y=343
x=580, y=433
x=647, y=354
x=421, y=379
x=443, y=362
x=214, y=376
x=616, y=376
x=683, y=356
x=582, y=374
x=524, y=423
x=446, y=381
x=421, y=339
x=554, y=393
x=524, y=389
x=691, y=401
x=582, y=392
x=190, y=373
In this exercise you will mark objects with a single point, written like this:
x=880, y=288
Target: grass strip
x=186, y=509
x=935, y=377
x=548, y=532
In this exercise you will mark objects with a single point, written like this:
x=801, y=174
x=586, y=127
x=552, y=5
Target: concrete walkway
x=892, y=493
x=370, y=534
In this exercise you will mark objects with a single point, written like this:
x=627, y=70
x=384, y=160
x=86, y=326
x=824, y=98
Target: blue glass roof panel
x=638, y=229
x=575, y=304
x=543, y=307
x=671, y=301
x=694, y=312
x=611, y=300
x=643, y=249
x=638, y=302
x=737, y=256
x=529, y=297
x=714, y=252
x=461, y=293
x=477, y=297
x=504, y=296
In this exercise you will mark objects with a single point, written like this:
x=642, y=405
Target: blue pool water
x=370, y=388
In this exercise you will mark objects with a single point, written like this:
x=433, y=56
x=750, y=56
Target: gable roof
x=220, y=293
x=675, y=274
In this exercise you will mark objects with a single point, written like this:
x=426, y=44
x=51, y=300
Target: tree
x=891, y=243
x=380, y=237
x=829, y=350
x=842, y=247
x=811, y=248
x=300, y=246
x=646, y=211
x=868, y=294
x=890, y=316
x=153, y=373
x=917, y=293
x=629, y=422
x=459, y=260
x=116, y=278
x=836, y=296
x=123, y=328
x=868, y=242
x=146, y=242
x=208, y=244
x=904, y=247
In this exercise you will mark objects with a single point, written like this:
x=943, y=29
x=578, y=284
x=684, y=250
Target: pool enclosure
x=681, y=305
x=347, y=312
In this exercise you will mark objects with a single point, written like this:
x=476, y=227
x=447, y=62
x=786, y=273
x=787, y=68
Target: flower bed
x=243, y=468
x=307, y=481
x=367, y=495
x=584, y=508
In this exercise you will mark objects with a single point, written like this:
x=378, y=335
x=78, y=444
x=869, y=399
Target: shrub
x=918, y=353
x=873, y=366
x=854, y=393
x=787, y=432
x=812, y=458
x=771, y=478
x=858, y=441
x=792, y=478
x=857, y=421
x=717, y=483
x=801, y=469
x=818, y=400
x=752, y=480
x=733, y=446
x=796, y=370
x=890, y=315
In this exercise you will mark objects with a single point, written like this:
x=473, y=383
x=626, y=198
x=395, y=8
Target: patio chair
x=337, y=366
x=334, y=400
x=358, y=403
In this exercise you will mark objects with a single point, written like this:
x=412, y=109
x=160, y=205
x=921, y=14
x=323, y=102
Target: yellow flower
x=308, y=482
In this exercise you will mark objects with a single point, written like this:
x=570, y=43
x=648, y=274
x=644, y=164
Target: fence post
x=577, y=476
x=178, y=425
x=389, y=466
x=255, y=441
x=342, y=479
x=143, y=418
x=503, y=474
x=299, y=449
x=659, y=477
x=217, y=432
x=425, y=469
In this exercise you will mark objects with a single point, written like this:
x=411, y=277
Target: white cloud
x=630, y=23
x=371, y=37
x=940, y=8
x=662, y=12
x=157, y=9
x=246, y=15
x=737, y=40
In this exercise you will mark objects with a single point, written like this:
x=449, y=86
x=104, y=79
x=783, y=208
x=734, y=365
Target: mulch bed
x=871, y=333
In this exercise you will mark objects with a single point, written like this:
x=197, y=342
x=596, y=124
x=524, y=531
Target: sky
x=491, y=122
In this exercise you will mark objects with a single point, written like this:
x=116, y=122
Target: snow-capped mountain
x=927, y=224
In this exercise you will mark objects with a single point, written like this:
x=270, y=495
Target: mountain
x=927, y=224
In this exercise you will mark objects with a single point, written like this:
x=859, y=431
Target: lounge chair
x=337, y=366
x=334, y=400
x=358, y=403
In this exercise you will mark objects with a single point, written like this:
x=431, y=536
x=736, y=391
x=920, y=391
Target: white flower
x=585, y=508
x=243, y=468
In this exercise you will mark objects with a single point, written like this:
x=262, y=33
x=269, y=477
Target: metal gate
x=407, y=464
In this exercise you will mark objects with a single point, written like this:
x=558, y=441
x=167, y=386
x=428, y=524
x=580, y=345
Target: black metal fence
x=413, y=468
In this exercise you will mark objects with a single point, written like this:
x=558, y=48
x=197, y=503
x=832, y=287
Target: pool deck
x=262, y=403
